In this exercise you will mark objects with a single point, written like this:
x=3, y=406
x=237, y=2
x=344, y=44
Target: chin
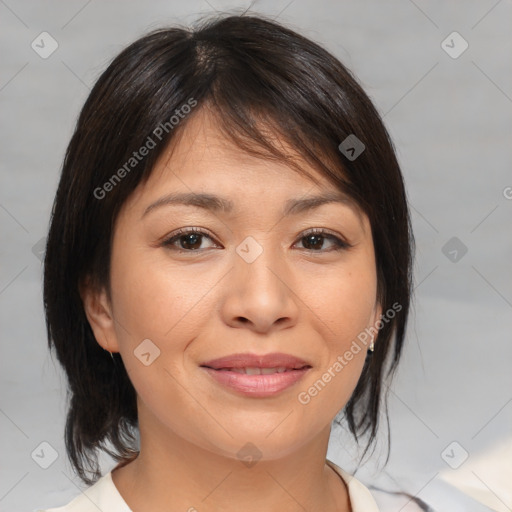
x=266, y=444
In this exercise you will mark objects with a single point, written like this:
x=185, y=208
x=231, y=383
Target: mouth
x=257, y=376
x=257, y=370
x=254, y=364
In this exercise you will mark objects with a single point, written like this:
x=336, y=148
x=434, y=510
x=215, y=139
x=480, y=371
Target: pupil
x=192, y=240
x=315, y=241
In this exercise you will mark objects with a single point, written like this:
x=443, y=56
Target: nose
x=260, y=295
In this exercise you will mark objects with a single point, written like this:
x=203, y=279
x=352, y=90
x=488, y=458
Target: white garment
x=104, y=496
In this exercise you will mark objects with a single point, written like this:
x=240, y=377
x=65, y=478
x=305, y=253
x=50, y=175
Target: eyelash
x=339, y=244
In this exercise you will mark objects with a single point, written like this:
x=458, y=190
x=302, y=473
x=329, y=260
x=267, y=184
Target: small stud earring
x=111, y=355
x=372, y=346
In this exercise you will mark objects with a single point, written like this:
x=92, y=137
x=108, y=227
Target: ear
x=377, y=315
x=98, y=311
x=377, y=312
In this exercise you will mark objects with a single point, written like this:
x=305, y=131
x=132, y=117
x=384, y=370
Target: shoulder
x=379, y=500
x=103, y=495
x=361, y=499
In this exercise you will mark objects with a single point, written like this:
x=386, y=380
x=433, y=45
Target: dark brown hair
x=252, y=73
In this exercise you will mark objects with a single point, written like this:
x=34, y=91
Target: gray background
x=451, y=122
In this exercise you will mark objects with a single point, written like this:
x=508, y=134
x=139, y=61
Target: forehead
x=202, y=150
x=203, y=167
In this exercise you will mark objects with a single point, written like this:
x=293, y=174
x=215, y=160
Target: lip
x=273, y=360
x=259, y=385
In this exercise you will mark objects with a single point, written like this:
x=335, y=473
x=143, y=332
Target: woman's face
x=254, y=282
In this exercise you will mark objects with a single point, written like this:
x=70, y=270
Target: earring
x=111, y=355
x=372, y=346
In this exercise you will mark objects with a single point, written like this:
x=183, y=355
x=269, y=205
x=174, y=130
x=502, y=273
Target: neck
x=171, y=474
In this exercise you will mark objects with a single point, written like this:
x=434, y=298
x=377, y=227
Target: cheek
x=159, y=313
x=165, y=304
x=154, y=300
x=344, y=308
x=343, y=303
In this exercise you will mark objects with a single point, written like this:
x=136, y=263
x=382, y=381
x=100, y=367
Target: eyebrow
x=216, y=203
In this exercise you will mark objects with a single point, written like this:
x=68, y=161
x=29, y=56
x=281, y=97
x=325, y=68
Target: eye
x=314, y=240
x=186, y=239
x=190, y=239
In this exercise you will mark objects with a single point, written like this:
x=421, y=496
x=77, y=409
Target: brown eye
x=186, y=240
x=315, y=241
x=191, y=241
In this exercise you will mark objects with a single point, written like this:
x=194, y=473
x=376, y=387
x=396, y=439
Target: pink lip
x=257, y=386
x=274, y=360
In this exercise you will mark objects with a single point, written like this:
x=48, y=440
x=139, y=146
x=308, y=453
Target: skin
x=300, y=298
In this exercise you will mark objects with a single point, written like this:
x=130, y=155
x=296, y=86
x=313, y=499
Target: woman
x=228, y=270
